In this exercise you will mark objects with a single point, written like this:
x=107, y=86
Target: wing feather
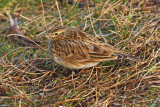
x=71, y=51
x=81, y=51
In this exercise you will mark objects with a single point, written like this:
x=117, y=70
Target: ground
x=30, y=77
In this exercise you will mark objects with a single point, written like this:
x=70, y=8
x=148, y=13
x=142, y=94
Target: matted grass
x=29, y=77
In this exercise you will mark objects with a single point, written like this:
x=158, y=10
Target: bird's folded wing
x=81, y=51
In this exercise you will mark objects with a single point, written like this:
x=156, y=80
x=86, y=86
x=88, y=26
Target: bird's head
x=56, y=33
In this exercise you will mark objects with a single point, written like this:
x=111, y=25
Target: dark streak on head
x=55, y=29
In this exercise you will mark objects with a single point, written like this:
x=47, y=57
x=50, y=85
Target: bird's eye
x=56, y=34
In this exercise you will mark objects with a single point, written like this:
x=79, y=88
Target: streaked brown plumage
x=75, y=49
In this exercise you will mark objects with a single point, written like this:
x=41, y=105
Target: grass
x=29, y=77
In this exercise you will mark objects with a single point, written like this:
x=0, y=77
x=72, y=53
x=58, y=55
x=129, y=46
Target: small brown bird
x=75, y=49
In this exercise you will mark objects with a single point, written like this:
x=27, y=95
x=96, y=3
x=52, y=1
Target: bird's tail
x=126, y=56
x=132, y=58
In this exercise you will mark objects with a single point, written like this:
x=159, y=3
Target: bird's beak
x=47, y=35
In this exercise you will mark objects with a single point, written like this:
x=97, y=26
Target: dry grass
x=30, y=78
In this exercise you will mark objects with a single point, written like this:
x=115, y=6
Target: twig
x=59, y=13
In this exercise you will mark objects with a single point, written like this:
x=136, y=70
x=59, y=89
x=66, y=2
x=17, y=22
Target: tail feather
x=132, y=58
x=126, y=56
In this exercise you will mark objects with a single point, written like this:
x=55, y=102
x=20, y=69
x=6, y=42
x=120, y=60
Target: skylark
x=75, y=49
